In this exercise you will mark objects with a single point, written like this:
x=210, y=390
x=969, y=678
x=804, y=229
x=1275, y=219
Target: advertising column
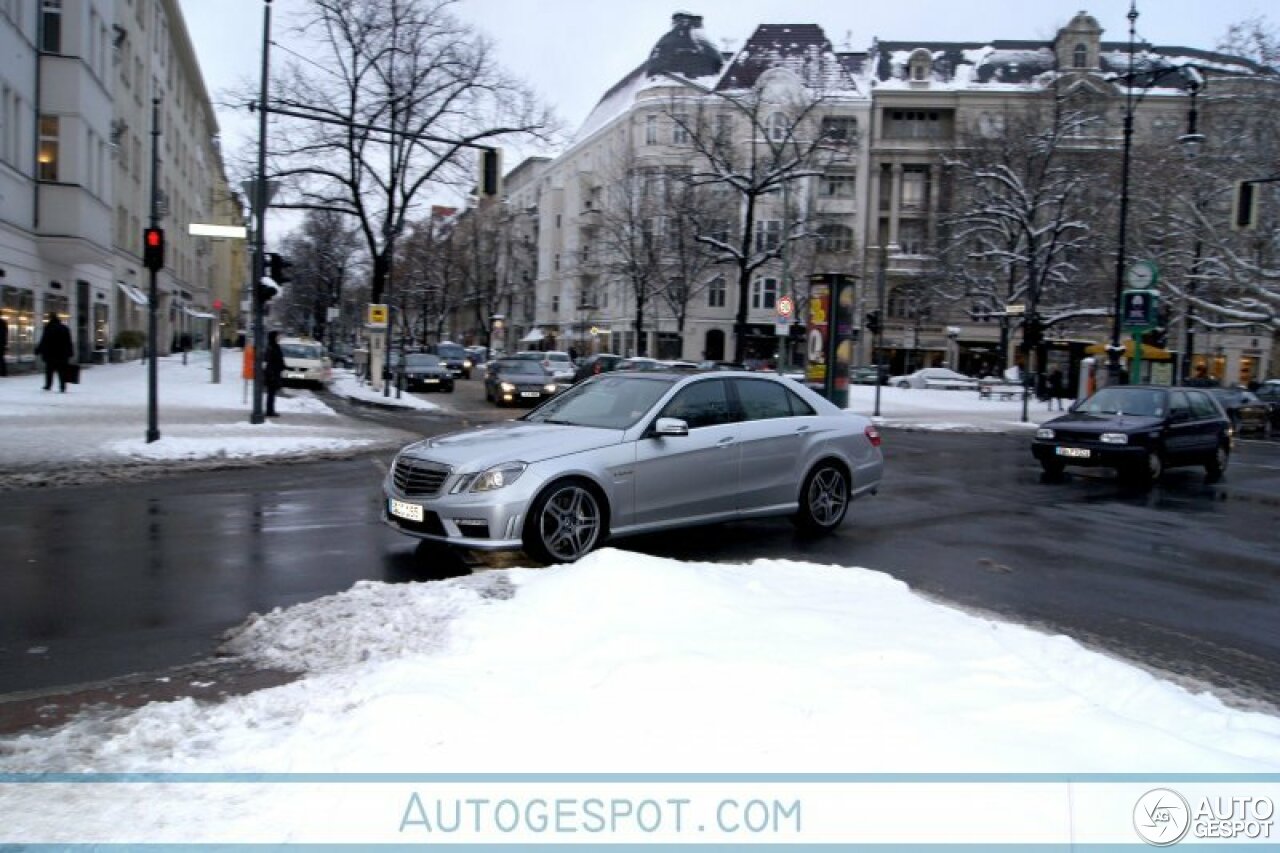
x=831, y=335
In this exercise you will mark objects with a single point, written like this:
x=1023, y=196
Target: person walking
x=1057, y=388
x=56, y=350
x=273, y=372
x=4, y=346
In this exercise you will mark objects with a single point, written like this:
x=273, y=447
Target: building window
x=777, y=127
x=764, y=293
x=917, y=124
x=680, y=129
x=768, y=235
x=48, y=156
x=911, y=237
x=651, y=130
x=51, y=26
x=842, y=130
x=835, y=238
x=717, y=290
x=837, y=186
x=555, y=304
x=1080, y=57
x=724, y=127
x=915, y=188
x=920, y=63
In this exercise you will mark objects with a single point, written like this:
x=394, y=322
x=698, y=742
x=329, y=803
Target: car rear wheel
x=1215, y=468
x=824, y=499
x=564, y=523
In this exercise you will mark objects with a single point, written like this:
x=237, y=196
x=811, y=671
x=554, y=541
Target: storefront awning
x=1149, y=352
x=133, y=293
x=533, y=337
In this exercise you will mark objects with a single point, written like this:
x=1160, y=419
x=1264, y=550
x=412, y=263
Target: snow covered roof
x=800, y=48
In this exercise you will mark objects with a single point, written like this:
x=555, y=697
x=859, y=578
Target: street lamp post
x=1190, y=142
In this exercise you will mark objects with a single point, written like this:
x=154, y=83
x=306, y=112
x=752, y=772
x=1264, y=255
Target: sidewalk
x=52, y=437
x=949, y=411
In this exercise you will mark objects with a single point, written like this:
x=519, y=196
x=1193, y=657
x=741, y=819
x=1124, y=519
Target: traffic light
x=873, y=322
x=266, y=290
x=1244, y=206
x=153, y=249
x=490, y=172
x=1033, y=331
x=278, y=268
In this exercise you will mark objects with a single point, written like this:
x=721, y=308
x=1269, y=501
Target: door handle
x=725, y=442
x=802, y=428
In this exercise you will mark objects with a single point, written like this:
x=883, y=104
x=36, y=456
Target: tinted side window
x=1202, y=406
x=1178, y=405
x=701, y=404
x=762, y=400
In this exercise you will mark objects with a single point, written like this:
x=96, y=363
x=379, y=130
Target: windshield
x=311, y=351
x=1144, y=402
x=531, y=368
x=454, y=351
x=608, y=402
x=421, y=360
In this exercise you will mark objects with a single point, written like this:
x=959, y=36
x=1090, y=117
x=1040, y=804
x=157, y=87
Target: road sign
x=1139, y=309
x=378, y=315
x=786, y=307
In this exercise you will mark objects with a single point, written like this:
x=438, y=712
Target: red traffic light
x=153, y=249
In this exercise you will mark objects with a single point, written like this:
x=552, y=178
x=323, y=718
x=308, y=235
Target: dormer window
x=1080, y=57
x=919, y=66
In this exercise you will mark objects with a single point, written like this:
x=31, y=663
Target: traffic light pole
x=260, y=221
x=153, y=287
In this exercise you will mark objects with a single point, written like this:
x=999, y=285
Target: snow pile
x=629, y=663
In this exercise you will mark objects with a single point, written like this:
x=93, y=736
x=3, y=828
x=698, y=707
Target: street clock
x=1142, y=275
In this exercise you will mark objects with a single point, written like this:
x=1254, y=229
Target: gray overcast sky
x=572, y=51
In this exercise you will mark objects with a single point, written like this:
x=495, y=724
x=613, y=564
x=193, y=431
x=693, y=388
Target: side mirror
x=670, y=426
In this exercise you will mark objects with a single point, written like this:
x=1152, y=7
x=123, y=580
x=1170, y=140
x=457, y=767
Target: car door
x=772, y=440
x=1209, y=422
x=692, y=476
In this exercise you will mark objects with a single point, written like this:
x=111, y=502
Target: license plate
x=1076, y=452
x=431, y=381
x=528, y=393
x=409, y=511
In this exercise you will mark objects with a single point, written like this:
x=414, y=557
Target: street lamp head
x=1191, y=144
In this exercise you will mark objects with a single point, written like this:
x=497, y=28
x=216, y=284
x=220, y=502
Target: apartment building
x=79, y=84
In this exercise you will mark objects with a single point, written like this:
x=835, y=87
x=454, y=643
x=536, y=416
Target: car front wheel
x=564, y=523
x=1215, y=468
x=824, y=499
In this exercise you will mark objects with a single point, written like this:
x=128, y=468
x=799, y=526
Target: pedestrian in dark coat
x=4, y=346
x=1057, y=388
x=273, y=372
x=56, y=350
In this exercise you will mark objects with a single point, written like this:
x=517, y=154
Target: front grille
x=1072, y=435
x=418, y=478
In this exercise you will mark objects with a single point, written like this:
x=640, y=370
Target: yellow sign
x=378, y=315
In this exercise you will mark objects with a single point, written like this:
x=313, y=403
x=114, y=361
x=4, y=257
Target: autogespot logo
x=1161, y=817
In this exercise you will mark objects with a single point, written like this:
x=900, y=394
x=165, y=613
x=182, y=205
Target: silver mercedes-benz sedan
x=626, y=453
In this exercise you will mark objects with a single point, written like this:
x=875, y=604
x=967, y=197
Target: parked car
x=721, y=365
x=518, y=380
x=625, y=453
x=1269, y=393
x=868, y=375
x=342, y=355
x=478, y=356
x=1139, y=430
x=640, y=363
x=596, y=364
x=426, y=371
x=1248, y=412
x=934, y=377
x=305, y=362
x=454, y=357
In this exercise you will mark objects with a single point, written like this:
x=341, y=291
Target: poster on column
x=815, y=373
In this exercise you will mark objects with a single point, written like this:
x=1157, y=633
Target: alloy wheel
x=828, y=496
x=569, y=523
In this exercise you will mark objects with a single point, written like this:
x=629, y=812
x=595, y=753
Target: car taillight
x=873, y=436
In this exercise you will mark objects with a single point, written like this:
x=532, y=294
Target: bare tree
x=756, y=143
x=426, y=285
x=688, y=262
x=397, y=91
x=325, y=254
x=1253, y=38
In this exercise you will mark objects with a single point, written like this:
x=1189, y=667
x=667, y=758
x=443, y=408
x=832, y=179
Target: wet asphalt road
x=101, y=581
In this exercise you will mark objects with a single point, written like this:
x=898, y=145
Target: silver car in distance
x=625, y=453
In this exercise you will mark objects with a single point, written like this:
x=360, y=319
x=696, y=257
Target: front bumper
x=1100, y=455
x=482, y=521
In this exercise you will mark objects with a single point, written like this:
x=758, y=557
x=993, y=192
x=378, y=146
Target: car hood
x=426, y=370
x=1084, y=422
x=515, y=441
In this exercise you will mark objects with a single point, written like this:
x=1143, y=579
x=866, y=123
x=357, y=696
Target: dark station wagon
x=1139, y=430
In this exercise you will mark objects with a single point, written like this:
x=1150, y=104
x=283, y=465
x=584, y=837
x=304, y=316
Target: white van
x=305, y=362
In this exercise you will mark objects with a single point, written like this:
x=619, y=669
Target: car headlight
x=1044, y=433
x=507, y=386
x=498, y=476
x=466, y=362
x=549, y=388
x=1114, y=438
